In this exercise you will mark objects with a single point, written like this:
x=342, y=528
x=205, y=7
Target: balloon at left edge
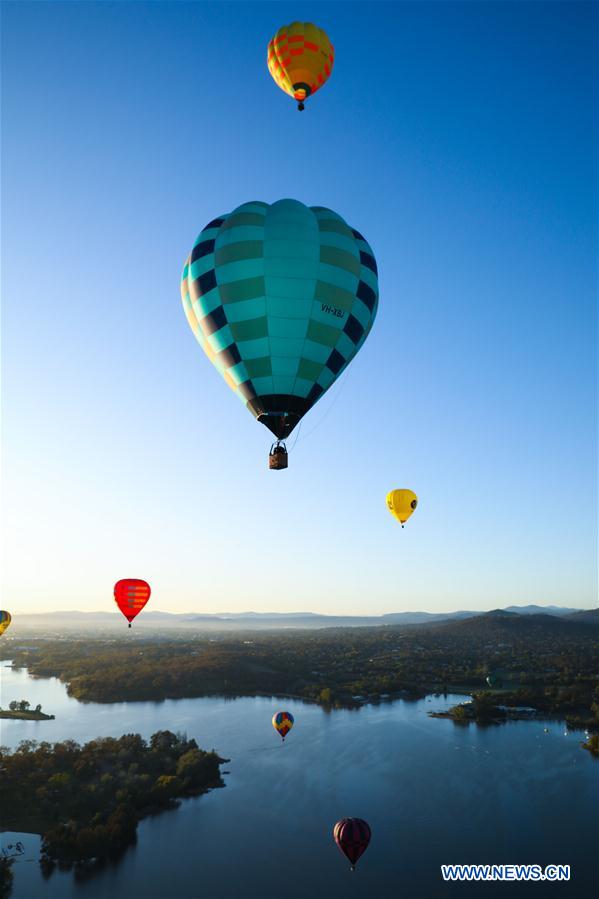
x=5, y=620
x=131, y=594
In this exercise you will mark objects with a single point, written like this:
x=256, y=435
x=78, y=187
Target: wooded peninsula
x=86, y=801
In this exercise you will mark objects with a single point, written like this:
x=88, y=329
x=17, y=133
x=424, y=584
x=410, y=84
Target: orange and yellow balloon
x=401, y=504
x=5, y=620
x=300, y=59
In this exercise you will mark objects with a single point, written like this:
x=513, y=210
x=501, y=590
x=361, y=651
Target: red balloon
x=352, y=835
x=131, y=595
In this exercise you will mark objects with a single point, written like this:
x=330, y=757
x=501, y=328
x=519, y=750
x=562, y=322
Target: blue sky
x=461, y=140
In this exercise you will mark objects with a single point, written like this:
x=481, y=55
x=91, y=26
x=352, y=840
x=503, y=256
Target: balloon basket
x=277, y=457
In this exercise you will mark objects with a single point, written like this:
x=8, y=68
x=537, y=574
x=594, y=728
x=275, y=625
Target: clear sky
x=461, y=139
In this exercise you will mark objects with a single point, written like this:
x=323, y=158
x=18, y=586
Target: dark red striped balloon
x=131, y=595
x=352, y=835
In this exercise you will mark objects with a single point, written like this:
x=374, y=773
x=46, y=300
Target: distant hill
x=541, y=610
x=500, y=623
x=501, y=613
x=61, y=621
x=589, y=615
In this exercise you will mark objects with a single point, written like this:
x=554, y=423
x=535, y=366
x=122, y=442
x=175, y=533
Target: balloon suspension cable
x=296, y=437
x=325, y=414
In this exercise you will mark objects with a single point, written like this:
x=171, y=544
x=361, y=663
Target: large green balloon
x=280, y=298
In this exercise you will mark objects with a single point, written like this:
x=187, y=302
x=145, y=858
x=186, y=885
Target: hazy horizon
x=461, y=140
x=304, y=611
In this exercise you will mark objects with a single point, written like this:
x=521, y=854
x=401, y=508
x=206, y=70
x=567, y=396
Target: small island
x=86, y=801
x=491, y=707
x=22, y=711
x=482, y=708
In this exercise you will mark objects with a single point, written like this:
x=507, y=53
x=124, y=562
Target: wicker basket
x=277, y=458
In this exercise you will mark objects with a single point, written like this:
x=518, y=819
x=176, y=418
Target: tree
x=168, y=786
x=592, y=744
x=483, y=705
x=163, y=741
x=13, y=705
x=5, y=877
x=59, y=782
x=195, y=766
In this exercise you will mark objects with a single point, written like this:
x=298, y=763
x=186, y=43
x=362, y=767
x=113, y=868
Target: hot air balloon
x=352, y=835
x=494, y=679
x=280, y=298
x=5, y=620
x=401, y=504
x=282, y=723
x=131, y=595
x=300, y=59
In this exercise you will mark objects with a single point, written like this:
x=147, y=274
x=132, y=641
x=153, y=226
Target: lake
x=433, y=792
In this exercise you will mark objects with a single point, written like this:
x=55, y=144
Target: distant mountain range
x=85, y=621
x=501, y=623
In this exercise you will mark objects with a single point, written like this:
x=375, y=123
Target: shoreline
x=428, y=691
x=26, y=716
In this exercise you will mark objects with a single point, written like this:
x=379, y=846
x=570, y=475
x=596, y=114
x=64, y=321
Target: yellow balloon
x=401, y=504
x=300, y=59
x=4, y=621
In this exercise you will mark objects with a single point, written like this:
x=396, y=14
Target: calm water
x=433, y=793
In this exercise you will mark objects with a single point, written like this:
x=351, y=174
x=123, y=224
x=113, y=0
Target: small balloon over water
x=352, y=835
x=282, y=723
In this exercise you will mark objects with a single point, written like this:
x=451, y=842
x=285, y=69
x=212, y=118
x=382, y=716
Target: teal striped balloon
x=280, y=298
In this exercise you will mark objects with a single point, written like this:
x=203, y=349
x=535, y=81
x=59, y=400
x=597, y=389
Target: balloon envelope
x=352, y=835
x=280, y=298
x=401, y=504
x=5, y=620
x=300, y=59
x=131, y=594
x=282, y=723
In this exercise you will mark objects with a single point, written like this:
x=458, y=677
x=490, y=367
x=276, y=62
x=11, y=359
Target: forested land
x=86, y=800
x=546, y=662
